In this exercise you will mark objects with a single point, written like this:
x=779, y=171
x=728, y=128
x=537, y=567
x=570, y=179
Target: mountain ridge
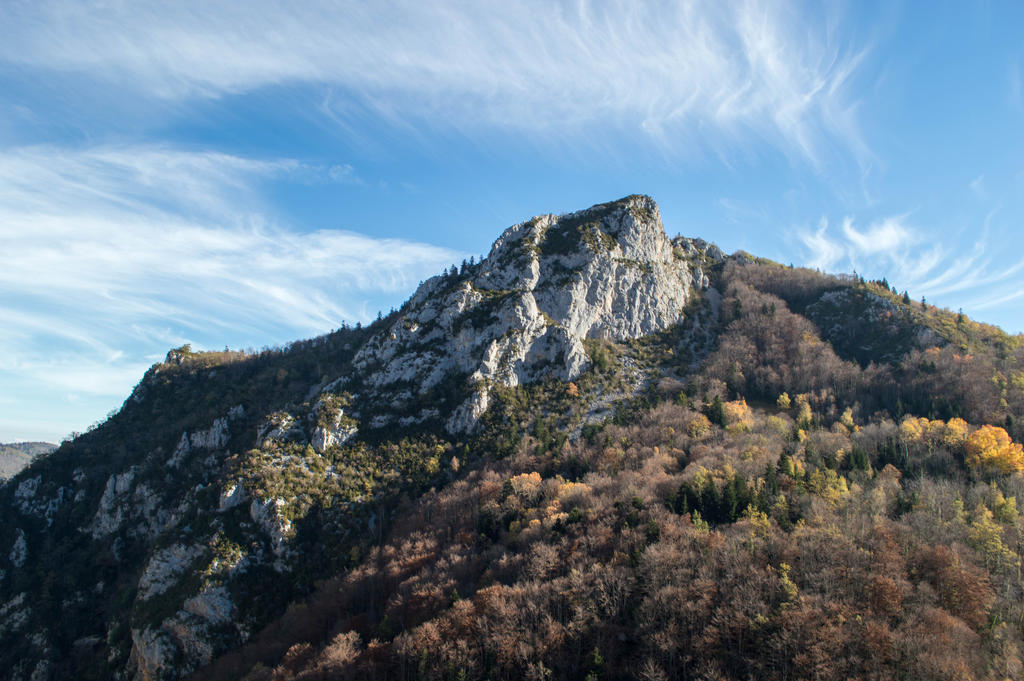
x=231, y=485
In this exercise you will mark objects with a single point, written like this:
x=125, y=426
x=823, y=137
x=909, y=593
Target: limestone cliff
x=522, y=314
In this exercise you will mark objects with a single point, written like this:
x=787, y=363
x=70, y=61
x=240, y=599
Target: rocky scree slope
x=229, y=483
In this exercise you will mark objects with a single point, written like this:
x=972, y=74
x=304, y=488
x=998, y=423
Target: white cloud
x=126, y=232
x=824, y=252
x=140, y=179
x=888, y=236
x=987, y=302
x=914, y=261
x=675, y=70
x=887, y=242
x=110, y=256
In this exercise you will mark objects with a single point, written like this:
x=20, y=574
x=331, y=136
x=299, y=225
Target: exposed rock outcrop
x=267, y=515
x=280, y=426
x=215, y=437
x=523, y=313
x=183, y=642
x=233, y=495
x=164, y=568
x=332, y=427
x=111, y=512
x=19, y=551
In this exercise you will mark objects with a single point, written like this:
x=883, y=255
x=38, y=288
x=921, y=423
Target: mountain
x=597, y=453
x=16, y=455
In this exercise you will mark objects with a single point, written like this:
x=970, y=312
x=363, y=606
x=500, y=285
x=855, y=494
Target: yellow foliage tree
x=934, y=433
x=804, y=415
x=738, y=415
x=829, y=485
x=699, y=426
x=990, y=449
x=986, y=536
x=956, y=432
x=847, y=418
x=912, y=428
x=526, y=485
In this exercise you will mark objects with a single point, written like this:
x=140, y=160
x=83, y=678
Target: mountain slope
x=599, y=418
x=227, y=484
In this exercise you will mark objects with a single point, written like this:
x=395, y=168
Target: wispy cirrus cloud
x=119, y=231
x=702, y=73
x=889, y=239
x=111, y=255
x=913, y=260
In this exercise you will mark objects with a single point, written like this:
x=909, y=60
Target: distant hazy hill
x=16, y=455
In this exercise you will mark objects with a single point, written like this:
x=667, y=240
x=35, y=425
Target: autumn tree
x=990, y=450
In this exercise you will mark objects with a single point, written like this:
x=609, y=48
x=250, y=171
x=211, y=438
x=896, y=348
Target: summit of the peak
x=522, y=314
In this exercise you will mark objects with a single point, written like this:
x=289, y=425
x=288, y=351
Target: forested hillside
x=790, y=510
x=598, y=453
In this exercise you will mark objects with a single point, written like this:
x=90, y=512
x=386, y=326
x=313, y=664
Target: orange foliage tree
x=990, y=449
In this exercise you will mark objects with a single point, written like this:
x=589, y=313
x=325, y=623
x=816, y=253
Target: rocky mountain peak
x=631, y=226
x=522, y=313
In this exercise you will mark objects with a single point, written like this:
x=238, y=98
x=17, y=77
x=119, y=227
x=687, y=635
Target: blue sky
x=245, y=174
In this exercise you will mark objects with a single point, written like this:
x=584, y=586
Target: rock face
x=333, y=428
x=19, y=551
x=523, y=313
x=184, y=640
x=164, y=567
x=267, y=514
